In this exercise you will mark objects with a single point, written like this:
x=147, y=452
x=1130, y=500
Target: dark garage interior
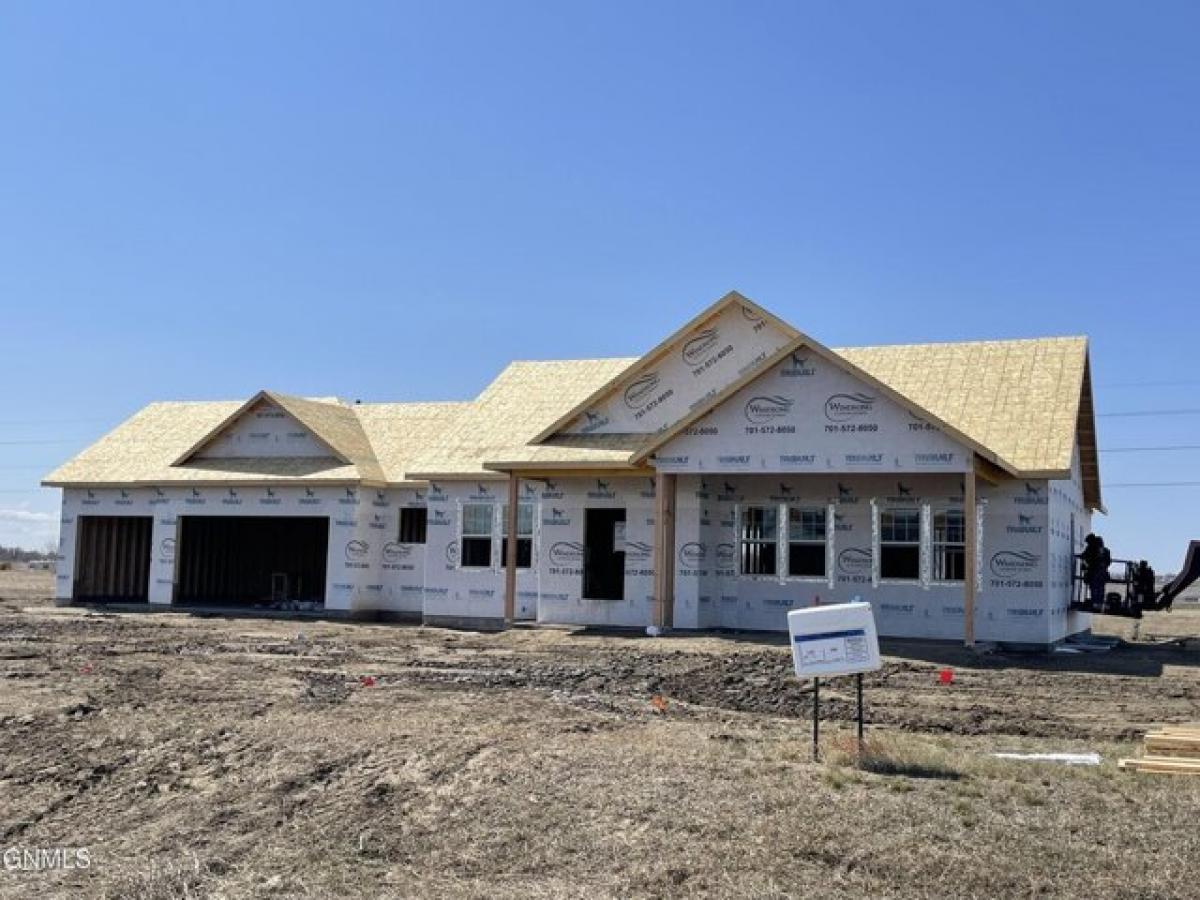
x=252, y=560
x=113, y=558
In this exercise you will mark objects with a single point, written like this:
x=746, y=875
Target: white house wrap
x=784, y=473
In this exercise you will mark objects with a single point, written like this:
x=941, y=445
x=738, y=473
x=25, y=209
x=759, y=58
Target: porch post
x=971, y=557
x=510, y=556
x=664, y=549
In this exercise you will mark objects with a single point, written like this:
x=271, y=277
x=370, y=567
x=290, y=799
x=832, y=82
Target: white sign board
x=839, y=639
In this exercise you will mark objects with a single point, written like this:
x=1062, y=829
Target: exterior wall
x=1024, y=586
x=806, y=414
x=1013, y=603
x=454, y=591
x=365, y=570
x=563, y=505
x=265, y=430
x=1011, y=606
x=1070, y=521
x=667, y=388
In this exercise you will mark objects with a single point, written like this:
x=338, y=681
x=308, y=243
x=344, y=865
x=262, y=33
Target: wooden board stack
x=1171, y=750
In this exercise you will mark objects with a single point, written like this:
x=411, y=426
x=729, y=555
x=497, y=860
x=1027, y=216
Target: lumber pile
x=1171, y=750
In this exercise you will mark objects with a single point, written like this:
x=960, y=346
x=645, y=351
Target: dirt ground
x=224, y=757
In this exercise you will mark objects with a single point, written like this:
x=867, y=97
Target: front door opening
x=603, y=556
x=271, y=561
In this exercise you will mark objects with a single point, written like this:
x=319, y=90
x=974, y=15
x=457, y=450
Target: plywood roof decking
x=1023, y=400
x=141, y=450
x=525, y=399
x=1019, y=398
x=401, y=431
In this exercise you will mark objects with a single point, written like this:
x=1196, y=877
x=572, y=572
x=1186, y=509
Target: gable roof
x=331, y=422
x=157, y=445
x=144, y=448
x=1021, y=404
x=648, y=359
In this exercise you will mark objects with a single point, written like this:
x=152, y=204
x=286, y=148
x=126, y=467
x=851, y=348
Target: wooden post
x=510, y=557
x=971, y=567
x=664, y=550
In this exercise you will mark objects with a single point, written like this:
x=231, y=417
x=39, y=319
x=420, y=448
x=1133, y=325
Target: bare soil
x=229, y=757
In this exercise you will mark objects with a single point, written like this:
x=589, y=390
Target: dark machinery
x=1138, y=592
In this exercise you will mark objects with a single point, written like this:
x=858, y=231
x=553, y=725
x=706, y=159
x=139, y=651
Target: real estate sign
x=839, y=639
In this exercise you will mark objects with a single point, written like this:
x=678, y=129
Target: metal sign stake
x=859, y=689
x=816, y=719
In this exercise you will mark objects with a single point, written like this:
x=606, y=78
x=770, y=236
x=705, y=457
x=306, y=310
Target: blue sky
x=390, y=201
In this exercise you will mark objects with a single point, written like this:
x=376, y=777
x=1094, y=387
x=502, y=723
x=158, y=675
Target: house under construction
x=737, y=470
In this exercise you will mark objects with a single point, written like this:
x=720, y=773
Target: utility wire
x=41, y=441
x=53, y=421
x=1141, y=484
x=1148, y=412
x=1150, y=449
x=1133, y=384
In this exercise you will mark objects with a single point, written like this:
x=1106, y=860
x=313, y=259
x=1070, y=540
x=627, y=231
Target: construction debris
x=1173, y=750
x=1069, y=759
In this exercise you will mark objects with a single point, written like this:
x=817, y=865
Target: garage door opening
x=271, y=561
x=112, y=560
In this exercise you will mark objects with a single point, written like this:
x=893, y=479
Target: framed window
x=949, y=546
x=412, y=524
x=806, y=542
x=524, y=535
x=476, y=535
x=900, y=545
x=759, y=541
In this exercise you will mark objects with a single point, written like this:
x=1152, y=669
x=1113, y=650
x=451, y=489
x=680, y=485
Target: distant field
x=222, y=757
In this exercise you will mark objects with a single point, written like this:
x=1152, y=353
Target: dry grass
x=232, y=758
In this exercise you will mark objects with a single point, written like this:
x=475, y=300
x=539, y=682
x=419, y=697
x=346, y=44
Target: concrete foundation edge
x=467, y=623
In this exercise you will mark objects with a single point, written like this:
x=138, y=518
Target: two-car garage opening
x=220, y=560
x=252, y=560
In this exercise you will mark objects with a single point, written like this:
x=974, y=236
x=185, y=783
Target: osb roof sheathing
x=524, y=399
x=1020, y=400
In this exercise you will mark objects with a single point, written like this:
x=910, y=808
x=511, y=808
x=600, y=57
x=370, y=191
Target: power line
x=1141, y=484
x=39, y=443
x=1149, y=449
x=1148, y=412
x=53, y=421
x=1138, y=384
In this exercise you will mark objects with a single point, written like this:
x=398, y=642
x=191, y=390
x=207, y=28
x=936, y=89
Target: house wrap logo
x=750, y=315
x=694, y=350
x=692, y=554
x=356, y=550
x=566, y=553
x=1033, y=495
x=797, y=366
x=394, y=552
x=638, y=551
x=844, y=407
x=760, y=410
x=854, y=561
x=640, y=392
x=166, y=549
x=452, y=553
x=592, y=421
x=1013, y=563
x=1025, y=525
x=725, y=554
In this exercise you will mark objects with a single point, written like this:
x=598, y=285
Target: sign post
x=828, y=641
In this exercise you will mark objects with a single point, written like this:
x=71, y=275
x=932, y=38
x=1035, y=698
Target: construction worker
x=1096, y=560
